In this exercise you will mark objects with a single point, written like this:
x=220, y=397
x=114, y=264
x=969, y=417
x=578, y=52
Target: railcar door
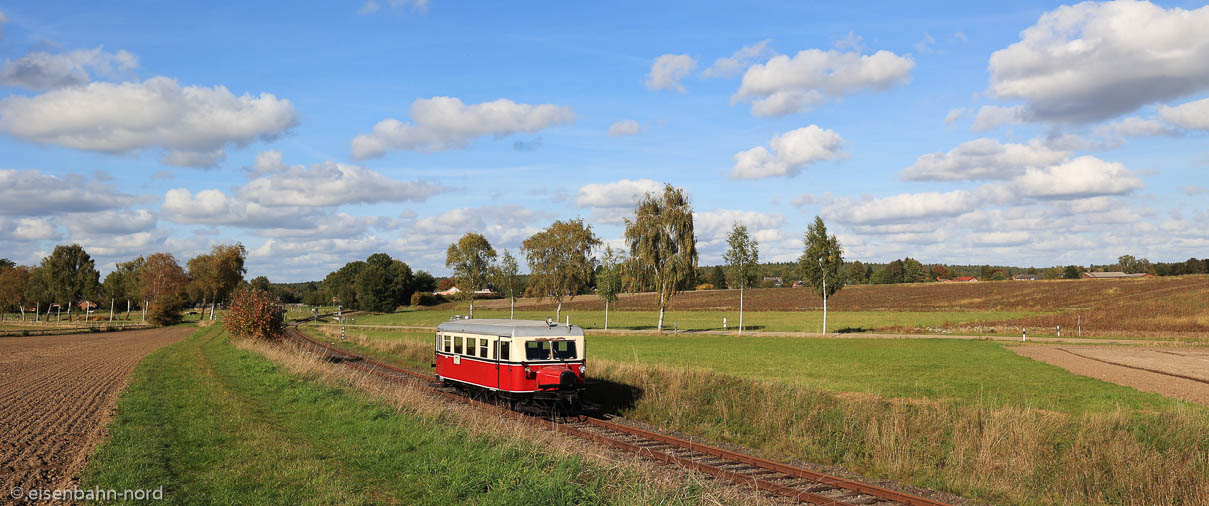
x=499, y=340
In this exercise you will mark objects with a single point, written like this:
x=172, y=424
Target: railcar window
x=564, y=350
x=537, y=350
x=457, y=344
x=503, y=350
x=483, y=348
x=448, y=344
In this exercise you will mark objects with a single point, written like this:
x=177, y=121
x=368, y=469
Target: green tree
x=822, y=263
x=663, y=247
x=1070, y=272
x=505, y=275
x=261, y=283
x=163, y=283
x=342, y=284
x=609, y=279
x=940, y=272
x=717, y=277
x=913, y=271
x=14, y=281
x=470, y=259
x=425, y=282
x=374, y=289
x=742, y=259
x=856, y=273
x=122, y=283
x=560, y=260
x=68, y=275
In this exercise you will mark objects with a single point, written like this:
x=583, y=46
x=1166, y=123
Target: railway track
x=777, y=479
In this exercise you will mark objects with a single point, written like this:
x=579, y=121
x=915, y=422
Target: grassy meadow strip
x=1018, y=432
x=213, y=423
x=780, y=321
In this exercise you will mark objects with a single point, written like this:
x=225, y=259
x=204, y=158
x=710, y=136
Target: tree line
x=67, y=281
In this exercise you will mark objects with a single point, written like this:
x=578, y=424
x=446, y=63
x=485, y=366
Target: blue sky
x=318, y=133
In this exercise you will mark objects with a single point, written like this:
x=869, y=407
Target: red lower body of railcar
x=513, y=379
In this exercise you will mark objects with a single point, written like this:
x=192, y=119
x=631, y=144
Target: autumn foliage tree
x=162, y=283
x=255, y=314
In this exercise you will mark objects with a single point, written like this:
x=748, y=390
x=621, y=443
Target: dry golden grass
x=657, y=484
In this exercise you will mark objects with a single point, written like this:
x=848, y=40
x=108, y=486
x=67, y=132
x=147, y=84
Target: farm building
x=776, y=280
x=85, y=305
x=455, y=290
x=1026, y=277
x=960, y=279
x=1115, y=275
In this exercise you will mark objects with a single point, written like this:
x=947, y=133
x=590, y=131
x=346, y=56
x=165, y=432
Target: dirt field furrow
x=1179, y=373
x=56, y=394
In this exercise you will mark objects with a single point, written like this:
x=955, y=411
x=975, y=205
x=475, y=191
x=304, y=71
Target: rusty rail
x=762, y=474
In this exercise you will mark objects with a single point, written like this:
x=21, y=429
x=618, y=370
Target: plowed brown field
x=56, y=394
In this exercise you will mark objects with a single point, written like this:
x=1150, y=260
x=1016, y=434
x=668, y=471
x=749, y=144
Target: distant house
x=960, y=279
x=775, y=280
x=797, y=284
x=454, y=291
x=1026, y=277
x=1115, y=275
x=85, y=305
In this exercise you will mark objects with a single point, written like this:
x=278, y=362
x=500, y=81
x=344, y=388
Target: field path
x=1182, y=373
x=56, y=395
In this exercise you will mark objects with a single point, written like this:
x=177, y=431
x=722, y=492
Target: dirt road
x=56, y=394
x=1182, y=373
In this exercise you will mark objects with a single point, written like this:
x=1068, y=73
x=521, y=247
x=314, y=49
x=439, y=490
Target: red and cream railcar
x=520, y=360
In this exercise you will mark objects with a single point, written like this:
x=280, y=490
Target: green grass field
x=968, y=371
x=211, y=423
x=780, y=321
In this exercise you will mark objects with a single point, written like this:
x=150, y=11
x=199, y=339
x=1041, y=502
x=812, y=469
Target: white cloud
x=213, y=207
x=332, y=184
x=157, y=113
x=40, y=70
x=1093, y=61
x=925, y=44
x=441, y=123
x=621, y=194
x=1134, y=126
x=982, y=159
x=1192, y=115
x=267, y=161
x=992, y=116
x=791, y=152
x=112, y=222
x=199, y=159
x=32, y=193
x=713, y=227
x=785, y=85
x=668, y=70
x=902, y=208
x=26, y=230
x=371, y=6
x=954, y=115
x=738, y=62
x=624, y=127
x=1085, y=176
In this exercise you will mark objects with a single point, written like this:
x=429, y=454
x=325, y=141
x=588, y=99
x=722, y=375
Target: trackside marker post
x=1024, y=334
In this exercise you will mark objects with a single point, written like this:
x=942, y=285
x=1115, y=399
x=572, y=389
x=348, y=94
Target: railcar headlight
x=582, y=369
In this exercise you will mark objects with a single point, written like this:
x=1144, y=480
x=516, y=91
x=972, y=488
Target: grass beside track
x=212, y=423
x=969, y=371
x=780, y=321
x=961, y=416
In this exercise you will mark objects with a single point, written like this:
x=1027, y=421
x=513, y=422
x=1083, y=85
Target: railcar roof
x=518, y=328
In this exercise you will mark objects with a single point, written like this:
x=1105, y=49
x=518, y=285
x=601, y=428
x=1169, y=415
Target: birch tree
x=822, y=263
x=470, y=260
x=742, y=259
x=662, y=245
x=560, y=260
x=505, y=275
x=608, y=280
